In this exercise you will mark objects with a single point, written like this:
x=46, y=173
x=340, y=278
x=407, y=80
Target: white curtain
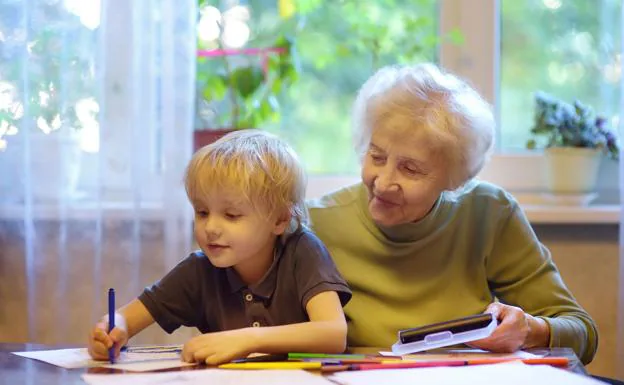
x=96, y=113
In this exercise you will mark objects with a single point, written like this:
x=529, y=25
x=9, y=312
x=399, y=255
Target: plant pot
x=204, y=137
x=571, y=170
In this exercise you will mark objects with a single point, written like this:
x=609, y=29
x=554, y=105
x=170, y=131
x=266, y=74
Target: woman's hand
x=220, y=347
x=516, y=330
x=100, y=340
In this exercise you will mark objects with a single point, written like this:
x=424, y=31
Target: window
x=48, y=106
x=570, y=49
x=339, y=45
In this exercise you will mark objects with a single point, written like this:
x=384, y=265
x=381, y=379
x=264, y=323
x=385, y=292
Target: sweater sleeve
x=522, y=273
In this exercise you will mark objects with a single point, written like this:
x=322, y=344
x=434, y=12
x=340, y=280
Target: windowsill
x=84, y=211
x=593, y=214
x=537, y=214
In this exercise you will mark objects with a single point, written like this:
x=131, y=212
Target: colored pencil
x=272, y=365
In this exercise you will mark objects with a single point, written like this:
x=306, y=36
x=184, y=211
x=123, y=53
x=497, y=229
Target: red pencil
x=393, y=365
x=562, y=362
x=552, y=361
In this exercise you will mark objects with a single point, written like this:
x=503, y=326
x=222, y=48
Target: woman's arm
x=521, y=273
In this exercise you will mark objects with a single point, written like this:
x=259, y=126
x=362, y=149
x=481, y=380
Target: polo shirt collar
x=267, y=284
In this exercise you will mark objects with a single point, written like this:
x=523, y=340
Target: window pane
x=570, y=49
x=339, y=45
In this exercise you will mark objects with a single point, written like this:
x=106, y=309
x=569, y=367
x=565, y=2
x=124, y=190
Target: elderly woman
x=420, y=241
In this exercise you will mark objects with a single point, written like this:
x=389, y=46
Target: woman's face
x=403, y=176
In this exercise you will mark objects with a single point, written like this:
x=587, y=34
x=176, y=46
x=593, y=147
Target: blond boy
x=262, y=282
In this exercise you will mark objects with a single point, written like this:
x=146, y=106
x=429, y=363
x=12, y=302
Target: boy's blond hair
x=261, y=167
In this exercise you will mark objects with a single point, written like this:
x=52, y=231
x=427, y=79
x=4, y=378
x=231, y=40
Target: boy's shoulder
x=303, y=238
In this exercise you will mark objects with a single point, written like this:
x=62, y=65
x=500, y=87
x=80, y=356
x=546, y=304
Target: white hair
x=457, y=122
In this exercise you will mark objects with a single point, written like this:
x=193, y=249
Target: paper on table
x=210, y=376
x=459, y=354
x=79, y=358
x=509, y=374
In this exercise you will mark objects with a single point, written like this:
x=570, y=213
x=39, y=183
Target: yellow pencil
x=272, y=365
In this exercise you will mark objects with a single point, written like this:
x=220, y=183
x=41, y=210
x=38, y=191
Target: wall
x=588, y=258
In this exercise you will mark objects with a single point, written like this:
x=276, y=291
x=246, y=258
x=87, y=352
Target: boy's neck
x=254, y=269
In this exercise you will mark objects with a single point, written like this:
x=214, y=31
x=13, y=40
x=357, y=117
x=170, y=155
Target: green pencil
x=298, y=356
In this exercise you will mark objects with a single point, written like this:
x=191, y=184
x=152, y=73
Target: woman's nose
x=386, y=181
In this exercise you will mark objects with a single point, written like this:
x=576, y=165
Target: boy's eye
x=201, y=213
x=232, y=215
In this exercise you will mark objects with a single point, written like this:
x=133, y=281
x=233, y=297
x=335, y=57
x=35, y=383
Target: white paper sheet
x=458, y=354
x=132, y=361
x=508, y=374
x=210, y=376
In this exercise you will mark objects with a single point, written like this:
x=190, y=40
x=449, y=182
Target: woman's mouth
x=383, y=202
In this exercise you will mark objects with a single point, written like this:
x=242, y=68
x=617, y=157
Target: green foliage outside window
x=339, y=44
x=47, y=68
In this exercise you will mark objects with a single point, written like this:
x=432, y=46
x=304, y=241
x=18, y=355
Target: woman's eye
x=377, y=158
x=411, y=170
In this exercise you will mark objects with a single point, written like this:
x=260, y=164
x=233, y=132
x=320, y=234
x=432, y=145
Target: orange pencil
x=552, y=361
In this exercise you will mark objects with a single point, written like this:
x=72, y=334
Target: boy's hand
x=220, y=347
x=100, y=340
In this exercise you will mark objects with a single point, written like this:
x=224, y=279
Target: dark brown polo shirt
x=197, y=294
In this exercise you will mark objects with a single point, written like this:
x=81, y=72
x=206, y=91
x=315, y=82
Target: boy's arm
x=325, y=333
x=136, y=317
x=129, y=320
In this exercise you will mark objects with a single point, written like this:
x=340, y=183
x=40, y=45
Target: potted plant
x=240, y=88
x=575, y=141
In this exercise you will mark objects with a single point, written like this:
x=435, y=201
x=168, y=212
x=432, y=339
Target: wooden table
x=19, y=370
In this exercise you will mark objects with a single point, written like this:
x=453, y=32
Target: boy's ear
x=281, y=224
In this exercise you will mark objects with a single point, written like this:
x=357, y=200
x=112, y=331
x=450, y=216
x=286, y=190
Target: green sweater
x=475, y=245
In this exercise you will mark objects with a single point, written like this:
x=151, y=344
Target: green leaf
x=215, y=88
x=246, y=80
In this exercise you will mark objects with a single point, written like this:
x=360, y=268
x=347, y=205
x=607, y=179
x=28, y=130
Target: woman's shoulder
x=482, y=193
x=345, y=196
x=482, y=200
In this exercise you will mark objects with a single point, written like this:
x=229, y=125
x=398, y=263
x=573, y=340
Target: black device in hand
x=444, y=330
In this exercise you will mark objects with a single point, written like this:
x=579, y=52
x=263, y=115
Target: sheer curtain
x=96, y=112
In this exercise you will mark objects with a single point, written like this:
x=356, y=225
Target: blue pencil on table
x=111, y=322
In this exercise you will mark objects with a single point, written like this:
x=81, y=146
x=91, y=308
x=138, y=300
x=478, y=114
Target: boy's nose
x=212, y=229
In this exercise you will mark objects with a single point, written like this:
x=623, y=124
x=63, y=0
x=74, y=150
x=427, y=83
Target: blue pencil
x=111, y=322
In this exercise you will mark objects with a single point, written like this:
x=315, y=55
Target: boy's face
x=231, y=232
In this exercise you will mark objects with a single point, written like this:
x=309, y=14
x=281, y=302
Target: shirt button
x=248, y=297
x=256, y=324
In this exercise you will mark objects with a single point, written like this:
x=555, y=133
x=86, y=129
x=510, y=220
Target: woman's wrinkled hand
x=512, y=331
